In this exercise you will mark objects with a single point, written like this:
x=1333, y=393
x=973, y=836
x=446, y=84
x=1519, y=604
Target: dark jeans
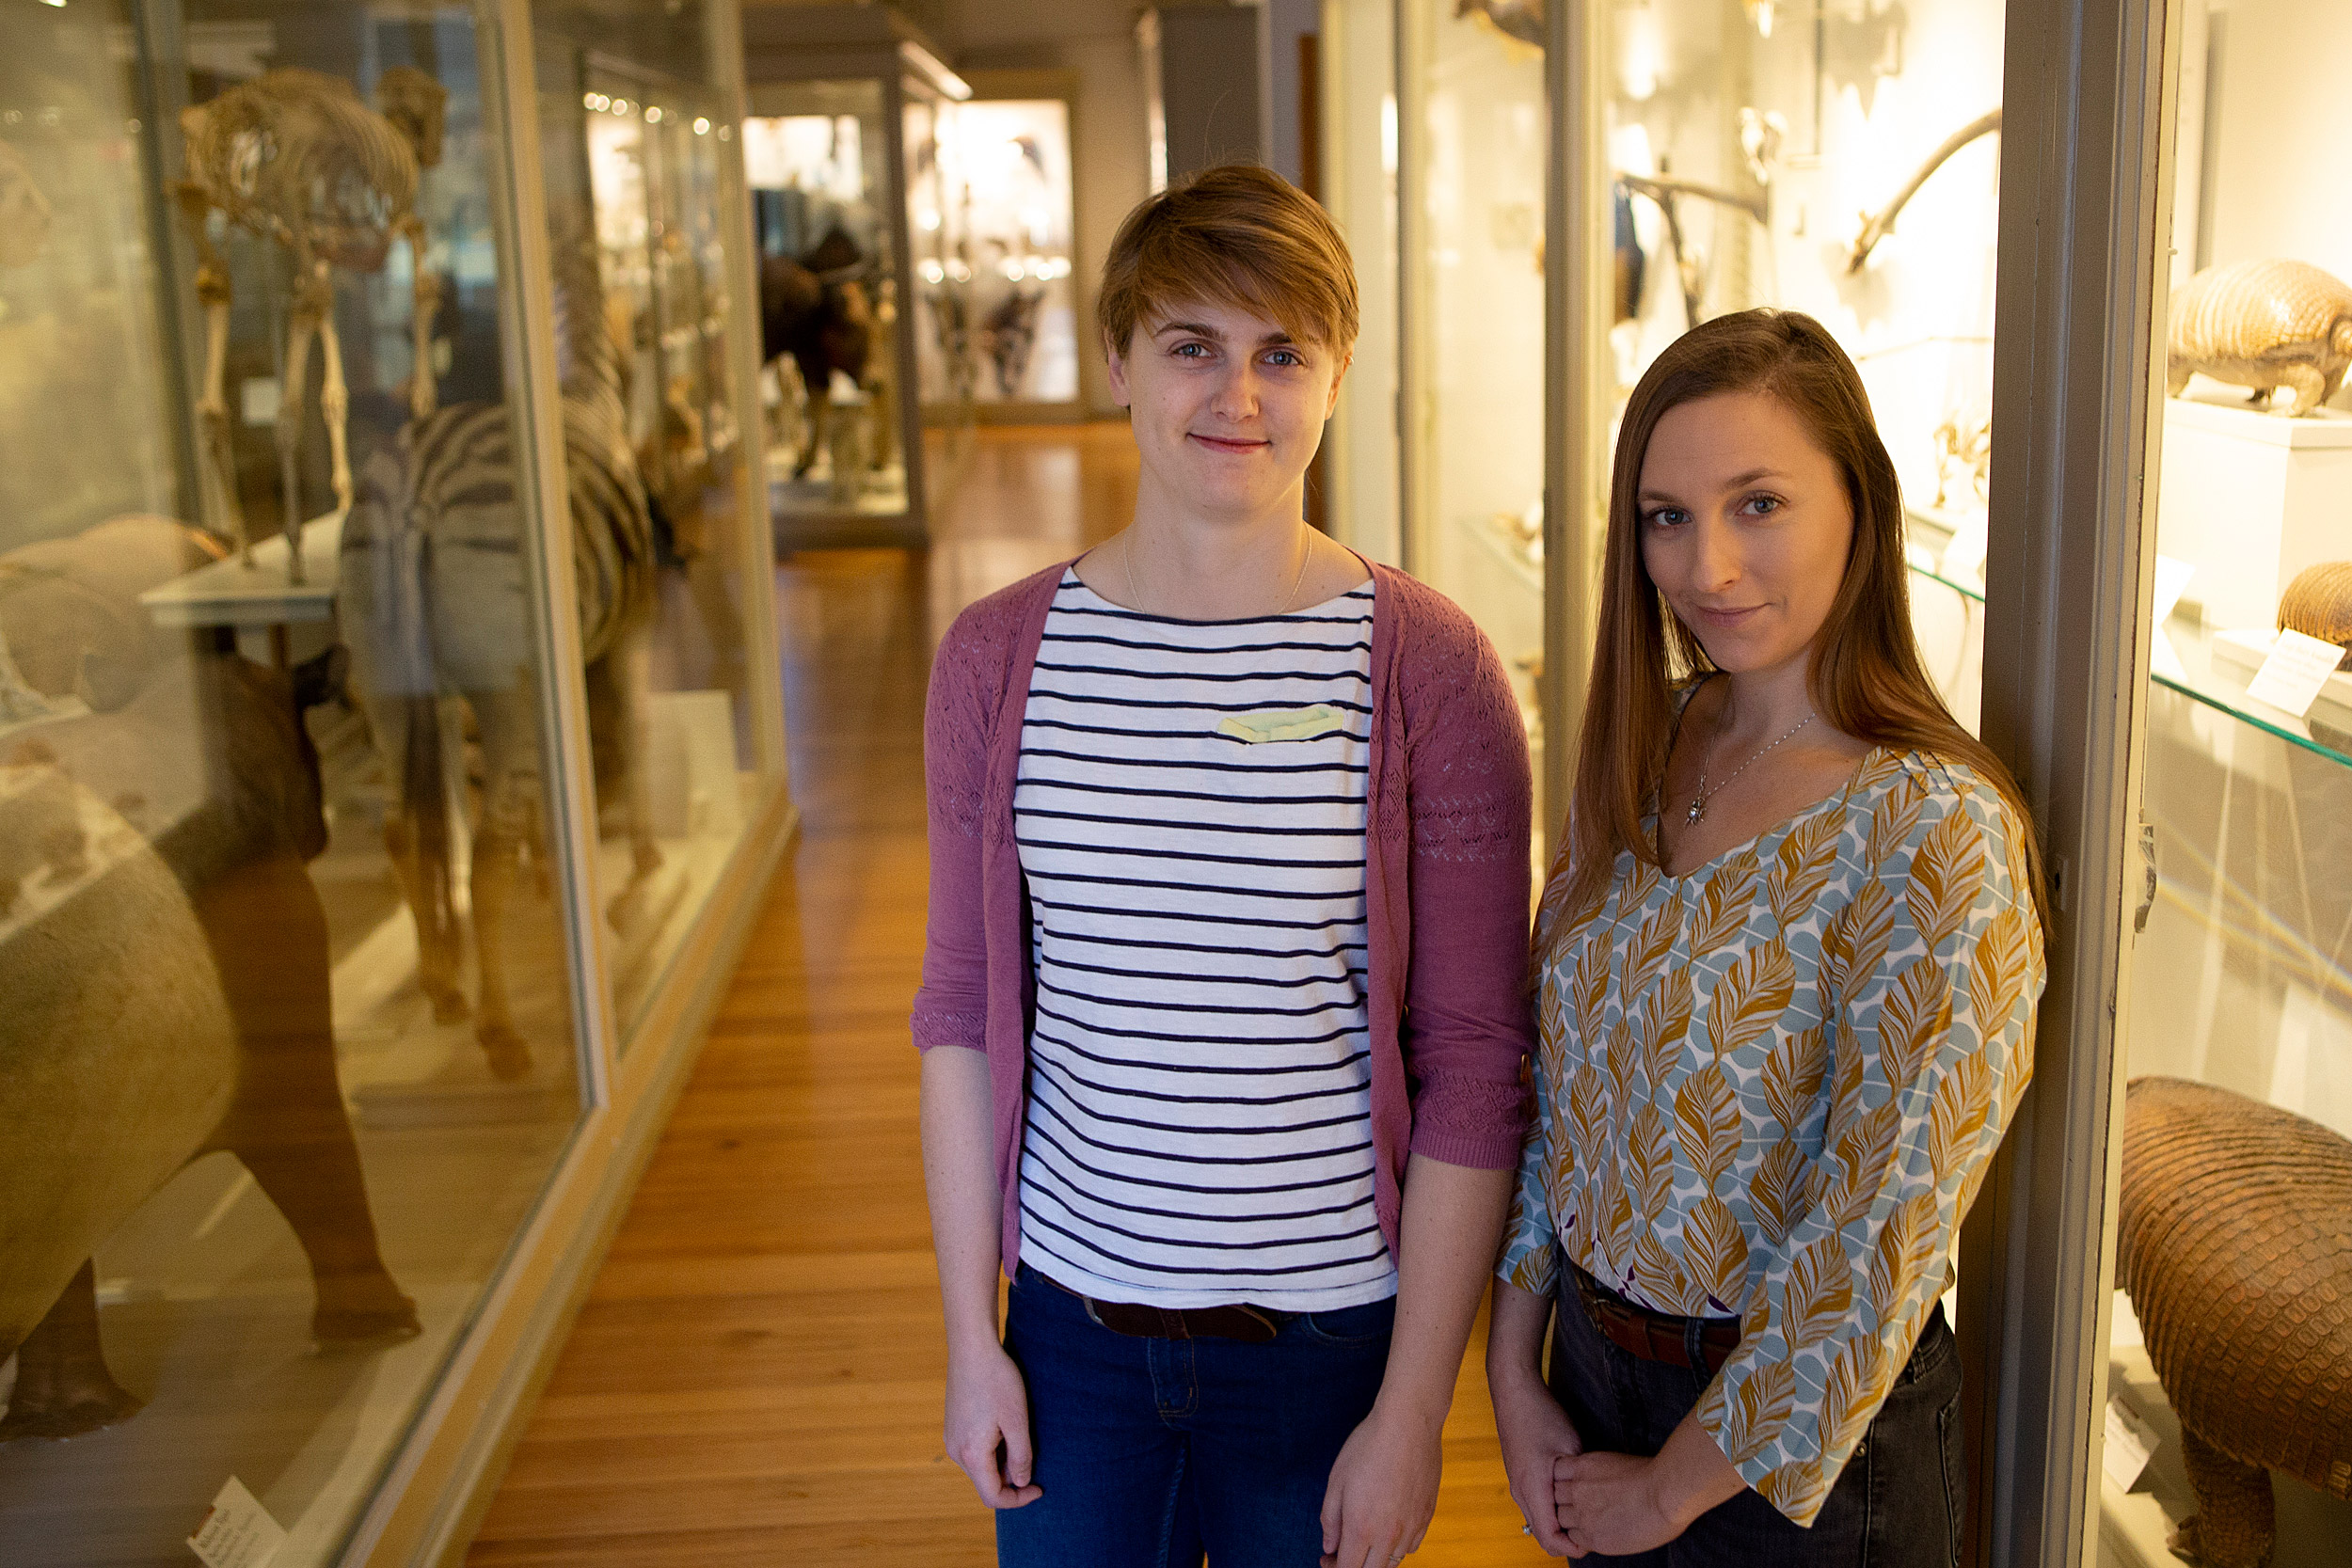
x=1896, y=1504
x=1152, y=1451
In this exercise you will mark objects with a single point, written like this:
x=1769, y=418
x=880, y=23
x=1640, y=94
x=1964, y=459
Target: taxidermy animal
x=1008, y=334
x=2236, y=1244
x=1519, y=20
x=293, y=157
x=72, y=612
x=2318, y=603
x=141, y=852
x=24, y=211
x=433, y=601
x=816, y=311
x=1876, y=226
x=2266, y=324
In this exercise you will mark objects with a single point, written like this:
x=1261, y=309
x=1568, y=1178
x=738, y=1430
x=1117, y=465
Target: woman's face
x=1229, y=407
x=1745, y=527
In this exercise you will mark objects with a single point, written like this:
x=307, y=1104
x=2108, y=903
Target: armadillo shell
x=2318, y=603
x=2236, y=1244
x=2266, y=309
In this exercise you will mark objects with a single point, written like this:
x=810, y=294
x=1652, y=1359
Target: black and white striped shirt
x=1190, y=810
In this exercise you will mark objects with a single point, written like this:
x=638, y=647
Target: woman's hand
x=988, y=1425
x=1611, y=1503
x=1536, y=1434
x=1621, y=1503
x=1383, y=1491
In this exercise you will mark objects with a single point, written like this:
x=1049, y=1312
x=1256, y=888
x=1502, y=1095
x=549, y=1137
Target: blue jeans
x=1153, y=1451
x=1896, y=1504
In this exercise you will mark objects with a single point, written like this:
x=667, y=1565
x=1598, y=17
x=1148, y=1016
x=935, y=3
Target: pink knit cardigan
x=1446, y=880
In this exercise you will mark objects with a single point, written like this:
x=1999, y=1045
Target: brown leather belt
x=1251, y=1326
x=1653, y=1336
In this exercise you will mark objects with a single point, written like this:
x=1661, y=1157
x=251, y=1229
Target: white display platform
x=2242, y=654
x=2252, y=498
x=233, y=593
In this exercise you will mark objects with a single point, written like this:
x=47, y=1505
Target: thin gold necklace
x=1134, y=595
x=1698, y=802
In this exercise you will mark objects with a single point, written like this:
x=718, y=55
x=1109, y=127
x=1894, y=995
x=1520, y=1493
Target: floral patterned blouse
x=1770, y=1088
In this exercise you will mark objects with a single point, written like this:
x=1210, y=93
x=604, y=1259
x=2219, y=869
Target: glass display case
x=1012, y=167
x=389, y=730
x=2155, y=1300
x=2230, y=1354
x=1471, y=135
x=867, y=277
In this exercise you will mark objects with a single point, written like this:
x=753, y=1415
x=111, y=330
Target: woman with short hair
x=1788, y=965
x=1223, y=1004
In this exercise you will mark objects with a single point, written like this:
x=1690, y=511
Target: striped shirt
x=1190, y=814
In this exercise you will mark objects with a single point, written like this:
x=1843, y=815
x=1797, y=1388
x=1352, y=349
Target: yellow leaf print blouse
x=1770, y=1088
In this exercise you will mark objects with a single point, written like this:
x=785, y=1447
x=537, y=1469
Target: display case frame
x=784, y=45
x=431, y=1486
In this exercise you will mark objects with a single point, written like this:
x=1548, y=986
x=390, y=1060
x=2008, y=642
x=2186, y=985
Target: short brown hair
x=1237, y=232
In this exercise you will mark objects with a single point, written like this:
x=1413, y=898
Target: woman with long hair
x=1787, y=969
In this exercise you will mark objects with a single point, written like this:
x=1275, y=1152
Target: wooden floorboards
x=756, y=1378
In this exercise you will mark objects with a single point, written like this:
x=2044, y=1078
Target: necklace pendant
x=1697, y=805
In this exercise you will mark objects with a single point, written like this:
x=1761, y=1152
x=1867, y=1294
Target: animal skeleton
x=292, y=156
x=1875, y=226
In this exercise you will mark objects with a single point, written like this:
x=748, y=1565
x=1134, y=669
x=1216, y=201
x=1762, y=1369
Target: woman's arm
x=1536, y=1432
x=988, y=1407
x=1384, y=1486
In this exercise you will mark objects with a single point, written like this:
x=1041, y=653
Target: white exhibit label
x=238, y=1532
x=2130, y=1441
x=2297, y=669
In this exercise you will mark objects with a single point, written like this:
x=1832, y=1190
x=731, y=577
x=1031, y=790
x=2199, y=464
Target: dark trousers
x=1152, y=1451
x=1896, y=1504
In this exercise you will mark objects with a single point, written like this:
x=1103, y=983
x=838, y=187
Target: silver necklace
x=1134, y=595
x=1698, y=802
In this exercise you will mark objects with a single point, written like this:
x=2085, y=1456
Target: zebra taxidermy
x=296, y=158
x=433, y=601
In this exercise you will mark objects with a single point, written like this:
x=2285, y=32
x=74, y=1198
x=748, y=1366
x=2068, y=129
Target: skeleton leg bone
x=335, y=403
x=302, y=324
x=423, y=393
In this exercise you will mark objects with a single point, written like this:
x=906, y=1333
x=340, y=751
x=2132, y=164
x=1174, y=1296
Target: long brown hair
x=1866, y=676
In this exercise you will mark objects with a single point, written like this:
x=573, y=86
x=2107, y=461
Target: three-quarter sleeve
x=951, y=1005
x=1467, y=1023
x=1930, y=975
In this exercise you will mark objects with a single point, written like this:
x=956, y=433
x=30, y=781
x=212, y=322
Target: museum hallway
x=757, y=1375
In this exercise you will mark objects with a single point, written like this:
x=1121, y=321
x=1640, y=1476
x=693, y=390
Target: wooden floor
x=756, y=1377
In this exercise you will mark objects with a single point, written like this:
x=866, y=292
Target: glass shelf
x=2205, y=674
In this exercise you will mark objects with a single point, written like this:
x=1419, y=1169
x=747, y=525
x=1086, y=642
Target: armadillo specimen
x=2264, y=324
x=2236, y=1244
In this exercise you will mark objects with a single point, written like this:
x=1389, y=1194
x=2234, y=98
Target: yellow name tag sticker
x=1283, y=724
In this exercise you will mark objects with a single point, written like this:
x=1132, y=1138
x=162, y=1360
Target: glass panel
x=1360, y=175
x=1473, y=141
x=635, y=148
x=2235, y=1250
x=1745, y=139
x=820, y=180
x=945, y=279
x=1015, y=161
x=288, y=1038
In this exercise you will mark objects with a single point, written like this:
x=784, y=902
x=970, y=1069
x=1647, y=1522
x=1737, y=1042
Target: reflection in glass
x=1472, y=105
x=636, y=155
x=289, y=1035
x=2230, y=1356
